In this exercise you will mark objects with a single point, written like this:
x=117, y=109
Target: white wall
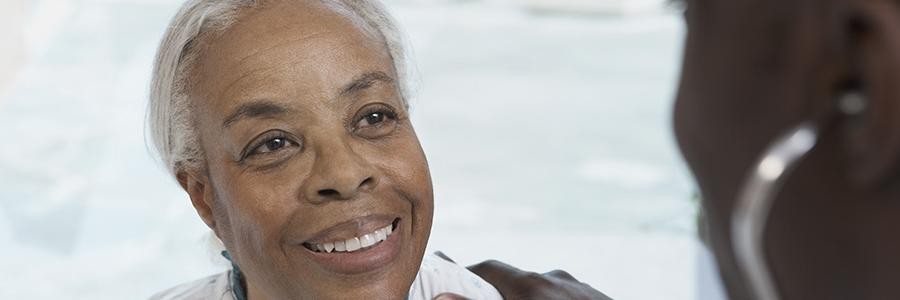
x=602, y=7
x=11, y=53
x=577, y=7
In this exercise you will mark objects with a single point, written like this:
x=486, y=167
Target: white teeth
x=352, y=245
x=356, y=243
x=367, y=240
x=380, y=234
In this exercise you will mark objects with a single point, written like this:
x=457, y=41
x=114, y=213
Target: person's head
x=753, y=69
x=286, y=121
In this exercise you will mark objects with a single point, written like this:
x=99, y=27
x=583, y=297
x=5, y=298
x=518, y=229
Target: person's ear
x=196, y=184
x=873, y=137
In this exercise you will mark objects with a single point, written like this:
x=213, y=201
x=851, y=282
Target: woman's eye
x=374, y=123
x=374, y=118
x=272, y=145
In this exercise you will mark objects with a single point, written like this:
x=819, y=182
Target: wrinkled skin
x=755, y=68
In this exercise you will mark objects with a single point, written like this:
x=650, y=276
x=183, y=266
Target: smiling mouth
x=355, y=244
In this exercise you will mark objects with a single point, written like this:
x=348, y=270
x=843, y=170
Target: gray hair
x=169, y=117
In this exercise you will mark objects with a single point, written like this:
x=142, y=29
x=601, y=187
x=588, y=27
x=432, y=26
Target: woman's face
x=310, y=149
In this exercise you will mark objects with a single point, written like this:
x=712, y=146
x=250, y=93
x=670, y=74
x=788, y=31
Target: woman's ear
x=873, y=138
x=196, y=184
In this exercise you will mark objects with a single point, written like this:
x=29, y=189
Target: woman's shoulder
x=437, y=276
x=212, y=287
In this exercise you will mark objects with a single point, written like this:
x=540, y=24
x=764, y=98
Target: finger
x=496, y=272
x=444, y=256
x=449, y=296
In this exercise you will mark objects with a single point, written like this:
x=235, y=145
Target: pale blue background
x=548, y=136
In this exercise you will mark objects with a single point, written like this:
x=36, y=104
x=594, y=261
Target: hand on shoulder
x=514, y=283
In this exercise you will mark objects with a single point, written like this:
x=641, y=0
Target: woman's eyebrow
x=265, y=109
x=259, y=109
x=364, y=81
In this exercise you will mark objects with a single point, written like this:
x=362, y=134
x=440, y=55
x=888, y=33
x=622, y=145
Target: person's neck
x=253, y=293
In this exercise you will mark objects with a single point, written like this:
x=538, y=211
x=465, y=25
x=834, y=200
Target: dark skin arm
x=514, y=283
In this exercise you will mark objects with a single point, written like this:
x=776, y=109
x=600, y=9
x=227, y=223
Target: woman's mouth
x=355, y=243
x=375, y=242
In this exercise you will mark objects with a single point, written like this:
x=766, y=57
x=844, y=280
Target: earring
x=852, y=103
x=754, y=203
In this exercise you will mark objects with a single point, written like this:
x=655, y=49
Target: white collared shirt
x=435, y=276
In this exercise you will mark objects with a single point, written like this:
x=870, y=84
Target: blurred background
x=546, y=124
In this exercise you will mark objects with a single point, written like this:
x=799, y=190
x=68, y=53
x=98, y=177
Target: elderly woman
x=286, y=122
x=789, y=116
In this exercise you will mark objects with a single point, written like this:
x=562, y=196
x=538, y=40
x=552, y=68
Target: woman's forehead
x=286, y=27
x=286, y=49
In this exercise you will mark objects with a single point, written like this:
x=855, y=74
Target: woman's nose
x=339, y=174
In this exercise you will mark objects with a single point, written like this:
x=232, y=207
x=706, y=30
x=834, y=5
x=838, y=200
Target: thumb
x=496, y=272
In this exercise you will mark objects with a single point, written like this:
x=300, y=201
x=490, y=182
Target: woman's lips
x=367, y=251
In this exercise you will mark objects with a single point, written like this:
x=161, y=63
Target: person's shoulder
x=211, y=287
x=437, y=275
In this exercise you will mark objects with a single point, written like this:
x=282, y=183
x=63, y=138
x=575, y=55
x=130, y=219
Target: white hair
x=169, y=116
